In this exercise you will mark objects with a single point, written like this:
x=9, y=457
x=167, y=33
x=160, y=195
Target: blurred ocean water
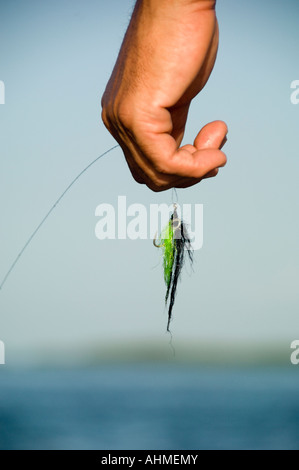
x=150, y=407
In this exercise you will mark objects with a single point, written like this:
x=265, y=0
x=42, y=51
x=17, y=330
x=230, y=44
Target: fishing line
x=17, y=259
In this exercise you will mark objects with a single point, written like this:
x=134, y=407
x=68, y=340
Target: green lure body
x=175, y=242
x=168, y=252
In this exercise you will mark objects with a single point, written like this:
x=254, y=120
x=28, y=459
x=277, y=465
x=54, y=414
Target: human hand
x=166, y=58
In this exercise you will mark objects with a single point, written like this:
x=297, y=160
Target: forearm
x=166, y=58
x=167, y=39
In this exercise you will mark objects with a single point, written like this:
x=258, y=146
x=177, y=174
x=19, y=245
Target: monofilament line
x=48, y=214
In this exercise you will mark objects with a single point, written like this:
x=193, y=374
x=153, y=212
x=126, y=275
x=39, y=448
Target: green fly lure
x=175, y=243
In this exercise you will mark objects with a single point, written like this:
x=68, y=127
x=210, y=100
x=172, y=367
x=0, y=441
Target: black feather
x=182, y=245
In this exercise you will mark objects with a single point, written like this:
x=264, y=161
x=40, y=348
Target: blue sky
x=71, y=289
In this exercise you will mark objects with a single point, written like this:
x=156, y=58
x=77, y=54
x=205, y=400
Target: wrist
x=174, y=4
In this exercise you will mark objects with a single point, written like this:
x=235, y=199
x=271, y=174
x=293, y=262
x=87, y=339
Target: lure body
x=175, y=243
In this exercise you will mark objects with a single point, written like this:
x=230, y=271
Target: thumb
x=211, y=136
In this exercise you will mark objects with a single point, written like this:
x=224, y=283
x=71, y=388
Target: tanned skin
x=166, y=58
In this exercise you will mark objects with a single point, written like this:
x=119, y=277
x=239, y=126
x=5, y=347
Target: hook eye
x=176, y=223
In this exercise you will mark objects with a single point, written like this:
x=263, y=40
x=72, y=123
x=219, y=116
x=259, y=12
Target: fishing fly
x=175, y=244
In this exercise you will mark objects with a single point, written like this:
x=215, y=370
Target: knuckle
x=158, y=184
x=105, y=118
x=119, y=116
x=124, y=115
x=154, y=188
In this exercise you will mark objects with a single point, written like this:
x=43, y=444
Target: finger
x=162, y=157
x=212, y=135
x=158, y=181
x=157, y=162
x=188, y=182
x=212, y=173
x=195, y=165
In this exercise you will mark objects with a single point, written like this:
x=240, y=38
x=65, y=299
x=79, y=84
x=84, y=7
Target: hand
x=166, y=58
